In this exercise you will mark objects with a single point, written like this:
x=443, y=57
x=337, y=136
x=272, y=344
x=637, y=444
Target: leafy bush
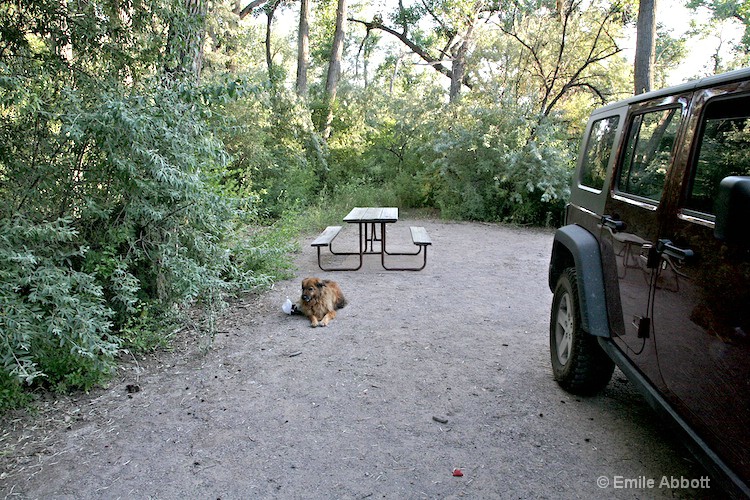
x=111, y=212
x=376, y=152
x=12, y=393
x=474, y=159
x=495, y=163
x=262, y=254
x=278, y=160
x=47, y=304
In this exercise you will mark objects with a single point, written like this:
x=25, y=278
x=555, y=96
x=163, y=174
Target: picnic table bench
x=326, y=237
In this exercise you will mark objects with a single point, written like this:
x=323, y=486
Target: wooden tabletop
x=372, y=214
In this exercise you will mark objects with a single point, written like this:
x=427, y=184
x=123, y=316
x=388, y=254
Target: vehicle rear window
x=648, y=153
x=723, y=150
x=598, y=150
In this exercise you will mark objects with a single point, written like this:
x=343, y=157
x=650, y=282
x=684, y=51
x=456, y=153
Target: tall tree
x=187, y=31
x=369, y=42
x=451, y=37
x=303, y=40
x=334, y=66
x=270, y=10
x=645, y=46
x=728, y=11
x=459, y=54
x=561, y=54
x=303, y=47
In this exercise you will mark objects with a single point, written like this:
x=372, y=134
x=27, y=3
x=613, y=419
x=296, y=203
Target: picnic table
x=369, y=220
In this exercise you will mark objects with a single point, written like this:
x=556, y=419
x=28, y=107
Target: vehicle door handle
x=666, y=247
x=614, y=224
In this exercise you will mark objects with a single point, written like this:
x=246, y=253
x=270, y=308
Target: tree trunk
x=303, y=47
x=458, y=68
x=645, y=47
x=197, y=11
x=185, y=43
x=270, y=10
x=334, y=66
x=394, y=75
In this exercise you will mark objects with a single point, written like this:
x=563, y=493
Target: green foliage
x=147, y=221
x=115, y=210
x=65, y=371
x=376, y=147
x=144, y=332
x=46, y=303
x=669, y=52
x=263, y=253
x=234, y=44
x=278, y=160
x=474, y=160
x=542, y=60
x=12, y=393
x=722, y=10
x=494, y=164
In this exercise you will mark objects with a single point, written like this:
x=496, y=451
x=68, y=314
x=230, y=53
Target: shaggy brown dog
x=320, y=299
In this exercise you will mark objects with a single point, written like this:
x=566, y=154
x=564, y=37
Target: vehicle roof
x=709, y=81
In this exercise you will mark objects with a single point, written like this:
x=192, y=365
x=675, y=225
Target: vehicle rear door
x=630, y=226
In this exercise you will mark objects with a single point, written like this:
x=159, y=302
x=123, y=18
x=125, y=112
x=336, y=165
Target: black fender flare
x=573, y=241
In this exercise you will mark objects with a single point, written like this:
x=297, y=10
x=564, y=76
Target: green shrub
x=142, y=227
x=146, y=330
x=378, y=148
x=47, y=305
x=277, y=159
x=12, y=393
x=495, y=163
x=262, y=254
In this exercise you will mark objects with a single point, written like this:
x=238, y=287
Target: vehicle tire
x=579, y=364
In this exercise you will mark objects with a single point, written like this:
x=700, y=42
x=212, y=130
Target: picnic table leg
x=383, y=253
x=382, y=242
x=370, y=236
x=385, y=250
x=375, y=234
x=330, y=249
x=320, y=264
x=361, y=242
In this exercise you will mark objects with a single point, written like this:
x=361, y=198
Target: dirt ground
x=422, y=373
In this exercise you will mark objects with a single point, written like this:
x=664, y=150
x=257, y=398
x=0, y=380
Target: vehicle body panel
x=668, y=299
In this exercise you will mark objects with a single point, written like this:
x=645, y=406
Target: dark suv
x=651, y=270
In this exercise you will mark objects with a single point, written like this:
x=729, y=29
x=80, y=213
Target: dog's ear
x=320, y=284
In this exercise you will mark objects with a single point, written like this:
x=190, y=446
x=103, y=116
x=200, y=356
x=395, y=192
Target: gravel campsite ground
x=422, y=373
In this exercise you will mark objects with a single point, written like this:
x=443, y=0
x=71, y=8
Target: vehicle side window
x=598, y=150
x=648, y=153
x=724, y=150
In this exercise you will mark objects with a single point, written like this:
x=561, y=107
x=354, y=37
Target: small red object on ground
x=457, y=473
